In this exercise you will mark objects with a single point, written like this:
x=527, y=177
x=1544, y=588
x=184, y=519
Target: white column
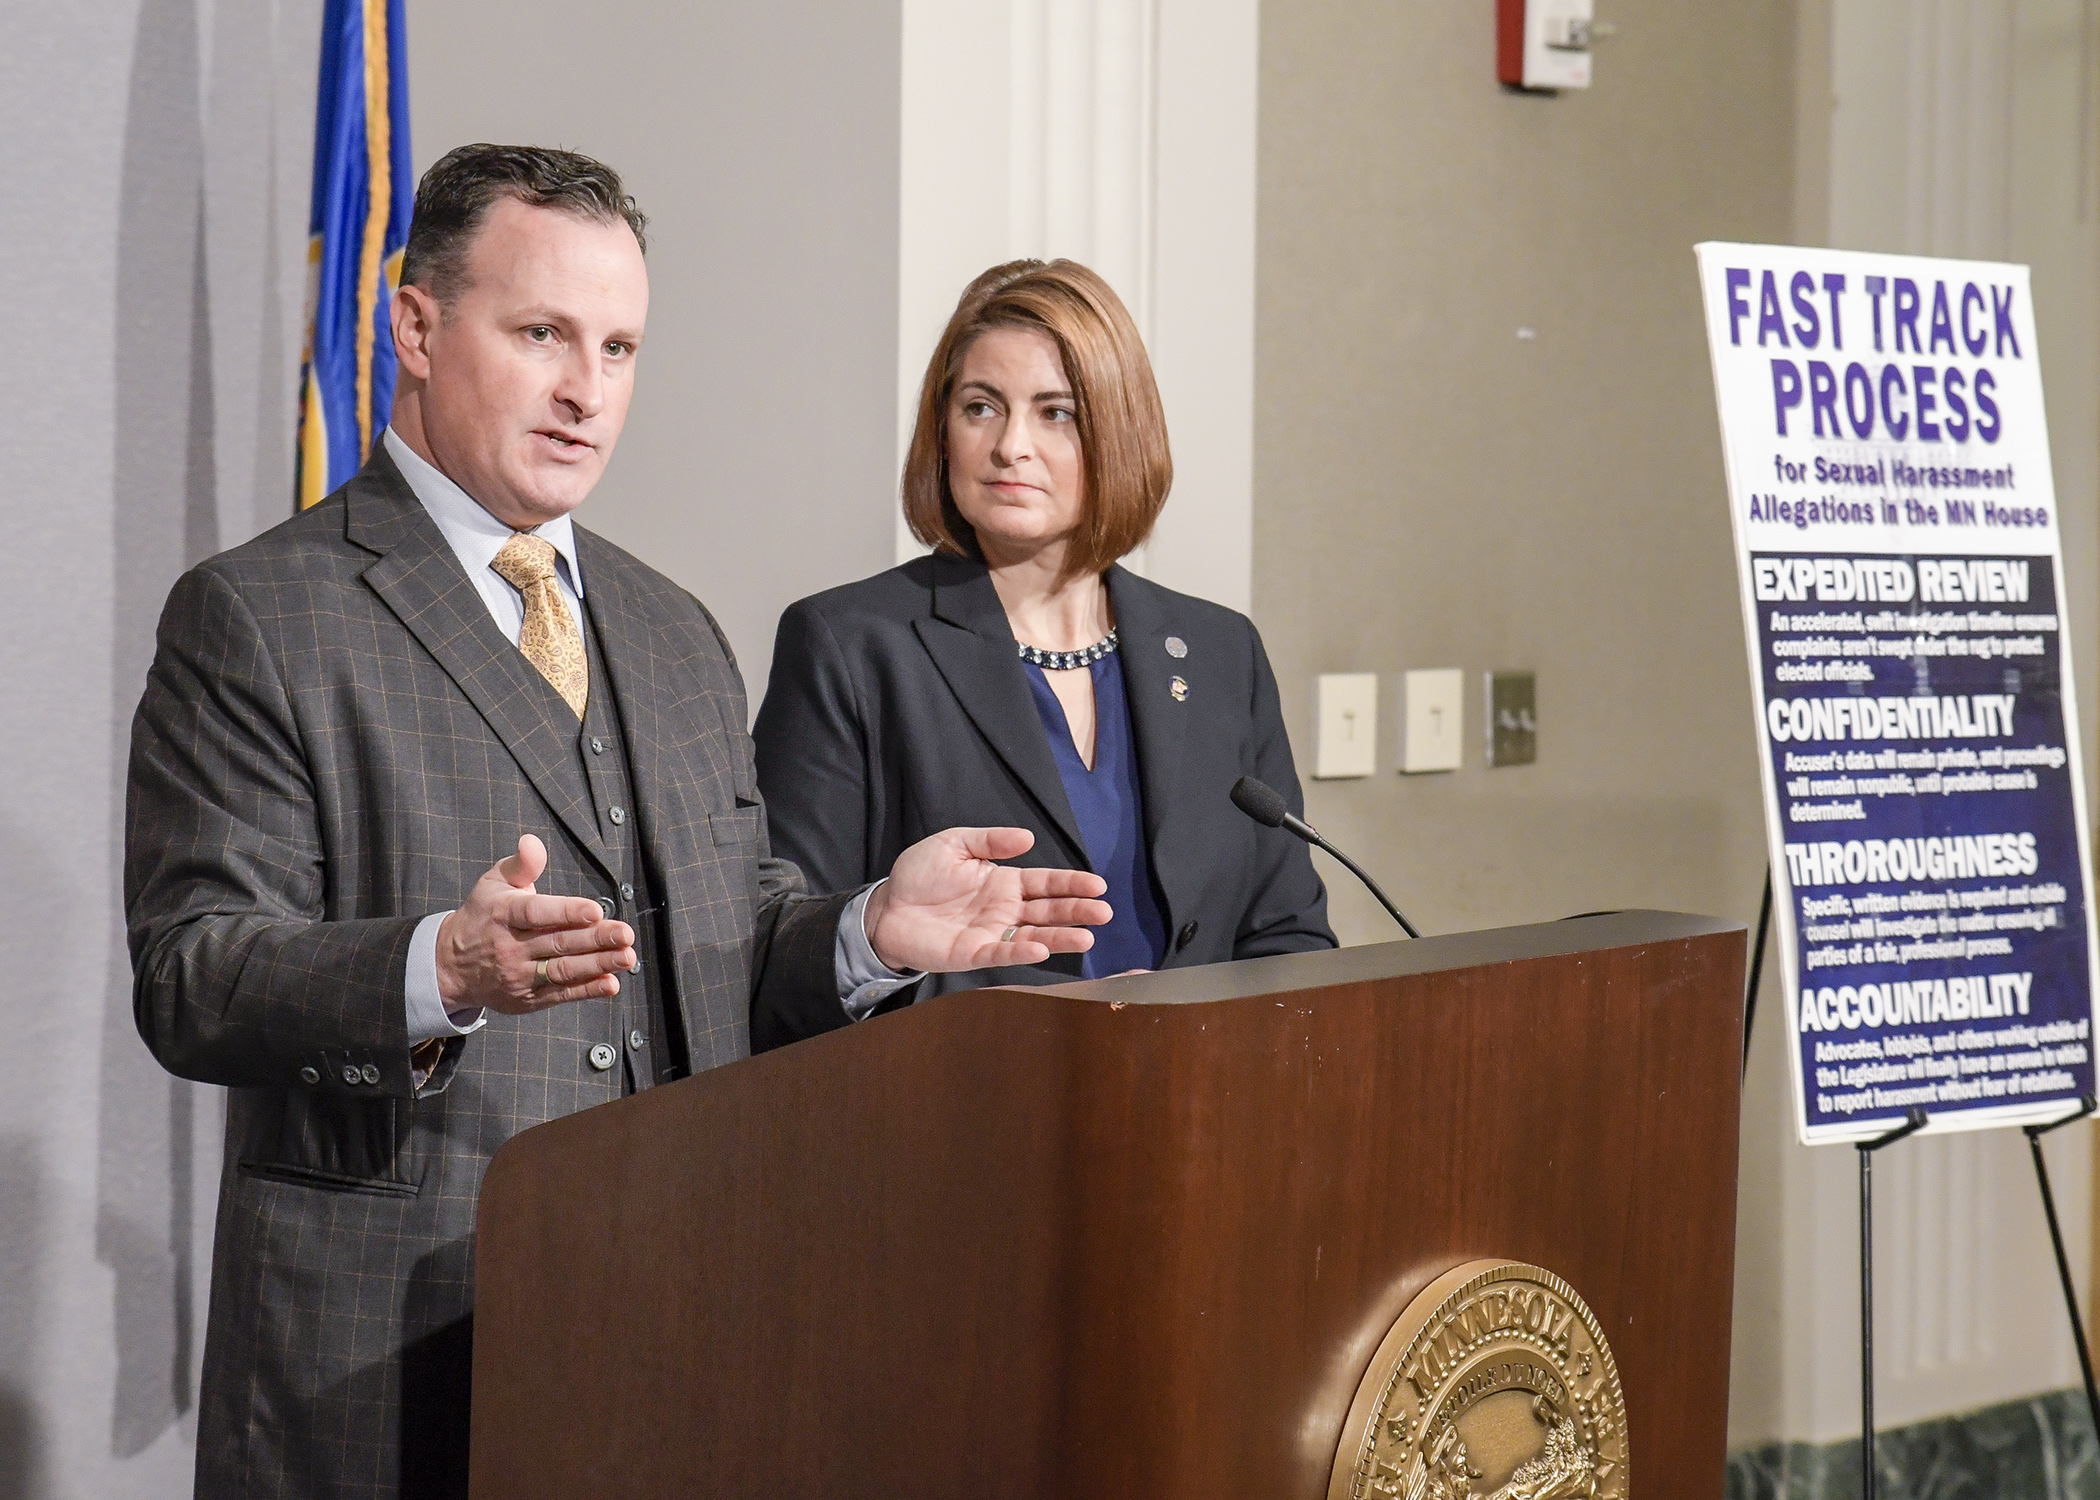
x=1119, y=133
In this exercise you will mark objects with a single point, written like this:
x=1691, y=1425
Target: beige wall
x=1433, y=491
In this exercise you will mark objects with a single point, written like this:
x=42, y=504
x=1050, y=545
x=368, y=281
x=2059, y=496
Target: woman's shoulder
x=893, y=596
x=1161, y=608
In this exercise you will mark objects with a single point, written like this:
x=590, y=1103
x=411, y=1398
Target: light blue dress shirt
x=476, y=537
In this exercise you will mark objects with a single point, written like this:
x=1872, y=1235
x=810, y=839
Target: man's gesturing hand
x=947, y=906
x=488, y=952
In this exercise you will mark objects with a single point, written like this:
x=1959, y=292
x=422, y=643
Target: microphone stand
x=1261, y=803
x=1312, y=836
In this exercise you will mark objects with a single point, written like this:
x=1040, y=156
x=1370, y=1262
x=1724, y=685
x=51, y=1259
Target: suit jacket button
x=351, y=1076
x=309, y=1074
x=603, y=1057
x=597, y=745
x=371, y=1072
x=637, y=1039
x=617, y=814
x=1186, y=936
x=626, y=891
x=605, y=905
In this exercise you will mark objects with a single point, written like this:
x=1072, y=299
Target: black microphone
x=1260, y=801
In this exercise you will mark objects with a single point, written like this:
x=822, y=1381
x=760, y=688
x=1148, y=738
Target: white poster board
x=1896, y=541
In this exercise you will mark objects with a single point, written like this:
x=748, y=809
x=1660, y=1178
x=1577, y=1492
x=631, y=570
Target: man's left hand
x=948, y=906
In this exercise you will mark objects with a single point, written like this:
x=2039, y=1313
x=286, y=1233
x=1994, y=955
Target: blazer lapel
x=971, y=643
x=421, y=581
x=1157, y=719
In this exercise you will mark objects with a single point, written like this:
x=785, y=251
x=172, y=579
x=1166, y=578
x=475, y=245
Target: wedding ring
x=539, y=973
x=1008, y=935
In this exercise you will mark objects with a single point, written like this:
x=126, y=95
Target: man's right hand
x=489, y=951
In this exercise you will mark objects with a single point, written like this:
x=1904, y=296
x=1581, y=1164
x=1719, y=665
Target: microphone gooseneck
x=1261, y=802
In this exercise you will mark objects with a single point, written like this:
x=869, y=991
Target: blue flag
x=364, y=192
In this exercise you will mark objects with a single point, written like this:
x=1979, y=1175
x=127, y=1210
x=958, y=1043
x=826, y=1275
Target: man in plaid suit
x=442, y=823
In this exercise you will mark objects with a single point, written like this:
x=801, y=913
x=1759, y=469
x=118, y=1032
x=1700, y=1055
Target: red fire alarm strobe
x=1544, y=44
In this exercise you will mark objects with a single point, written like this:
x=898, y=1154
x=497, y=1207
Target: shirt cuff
x=864, y=980
x=428, y=1020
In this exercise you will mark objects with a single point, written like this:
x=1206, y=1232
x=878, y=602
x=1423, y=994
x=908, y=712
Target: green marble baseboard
x=2039, y=1449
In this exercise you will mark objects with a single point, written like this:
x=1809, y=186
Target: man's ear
x=415, y=316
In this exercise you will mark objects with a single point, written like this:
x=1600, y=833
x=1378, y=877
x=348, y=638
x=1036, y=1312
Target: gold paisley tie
x=549, y=637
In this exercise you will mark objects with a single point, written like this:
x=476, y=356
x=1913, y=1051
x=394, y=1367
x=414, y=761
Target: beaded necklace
x=1065, y=661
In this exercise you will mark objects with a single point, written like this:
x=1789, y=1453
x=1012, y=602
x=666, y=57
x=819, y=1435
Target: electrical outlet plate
x=1513, y=724
x=1432, y=736
x=1348, y=738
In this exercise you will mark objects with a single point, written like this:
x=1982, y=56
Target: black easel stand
x=2056, y=1238
x=1912, y=1124
x=1757, y=966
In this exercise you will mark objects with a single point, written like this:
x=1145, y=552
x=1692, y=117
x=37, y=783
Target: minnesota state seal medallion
x=1495, y=1384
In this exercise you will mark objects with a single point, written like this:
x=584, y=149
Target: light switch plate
x=1348, y=739
x=1432, y=713
x=1513, y=723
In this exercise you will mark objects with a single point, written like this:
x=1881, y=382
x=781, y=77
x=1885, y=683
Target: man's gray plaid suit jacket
x=336, y=741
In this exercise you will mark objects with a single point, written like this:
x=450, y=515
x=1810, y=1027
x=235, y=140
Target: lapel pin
x=1178, y=690
x=1177, y=647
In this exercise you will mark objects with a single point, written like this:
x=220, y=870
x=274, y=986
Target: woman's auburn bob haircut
x=1122, y=429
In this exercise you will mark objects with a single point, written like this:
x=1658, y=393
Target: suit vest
x=647, y=1034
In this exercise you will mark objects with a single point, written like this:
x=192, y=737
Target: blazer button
x=309, y=1074
x=597, y=745
x=618, y=815
x=1186, y=936
x=626, y=891
x=370, y=1072
x=603, y=1057
x=351, y=1076
x=605, y=905
x=637, y=1039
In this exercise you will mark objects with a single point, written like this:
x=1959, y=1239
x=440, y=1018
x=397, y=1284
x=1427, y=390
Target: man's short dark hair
x=457, y=193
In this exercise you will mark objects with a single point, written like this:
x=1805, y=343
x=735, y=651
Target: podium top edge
x=1254, y=977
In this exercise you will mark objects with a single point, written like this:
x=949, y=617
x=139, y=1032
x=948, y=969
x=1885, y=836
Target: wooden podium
x=1134, y=1237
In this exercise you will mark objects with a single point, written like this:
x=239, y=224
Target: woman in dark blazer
x=1019, y=676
